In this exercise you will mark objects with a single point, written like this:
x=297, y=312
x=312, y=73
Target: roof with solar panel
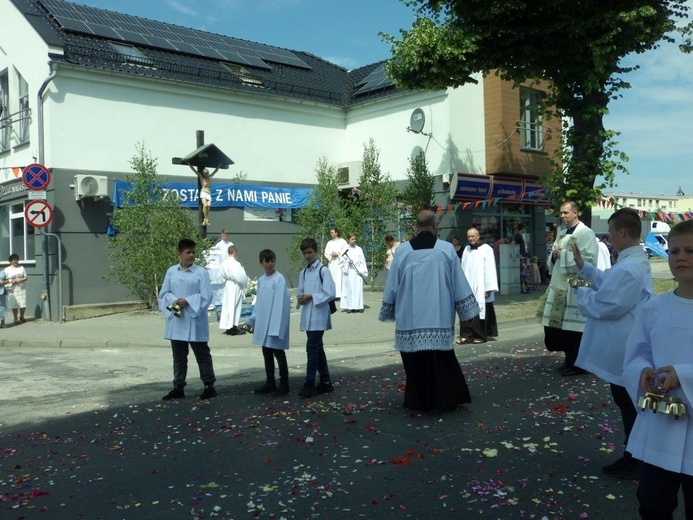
x=113, y=41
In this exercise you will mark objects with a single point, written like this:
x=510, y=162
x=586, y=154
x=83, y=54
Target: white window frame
x=24, y=114
x=12, y=213
x=531, y=122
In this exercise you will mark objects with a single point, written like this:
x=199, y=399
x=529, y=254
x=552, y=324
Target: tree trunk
x=587, y=142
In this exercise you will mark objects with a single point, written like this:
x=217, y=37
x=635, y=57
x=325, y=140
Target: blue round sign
x=36, y=177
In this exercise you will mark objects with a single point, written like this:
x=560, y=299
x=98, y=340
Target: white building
x=80, y=87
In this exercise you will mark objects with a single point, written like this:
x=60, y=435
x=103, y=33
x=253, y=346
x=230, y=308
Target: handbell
x=650, y=401
x=675, y=407
x=578, y=281
x=175, y=309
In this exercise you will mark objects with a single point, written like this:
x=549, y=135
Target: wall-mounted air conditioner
x=349, y=172
x=95, y=186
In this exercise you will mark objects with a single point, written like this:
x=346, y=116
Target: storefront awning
x=467, y=187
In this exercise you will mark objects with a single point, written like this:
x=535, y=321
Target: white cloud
x=182, y=7
x=342, y=61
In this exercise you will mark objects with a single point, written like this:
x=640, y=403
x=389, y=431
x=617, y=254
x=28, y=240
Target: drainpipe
x=41, y=156
x=39, y=108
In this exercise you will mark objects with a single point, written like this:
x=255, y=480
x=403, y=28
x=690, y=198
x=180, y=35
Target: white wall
x=23, y=50
x=95, y=122
x=450, y=137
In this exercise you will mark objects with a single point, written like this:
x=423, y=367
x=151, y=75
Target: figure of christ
x=205, y=192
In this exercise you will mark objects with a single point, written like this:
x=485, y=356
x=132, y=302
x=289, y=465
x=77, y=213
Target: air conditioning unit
x=91, y=186
x=349, y=172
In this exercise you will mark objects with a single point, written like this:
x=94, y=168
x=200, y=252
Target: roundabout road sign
x=38, y=213
x=36, y=177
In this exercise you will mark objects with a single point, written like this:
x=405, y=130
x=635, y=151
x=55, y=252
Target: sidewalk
x=145, y=328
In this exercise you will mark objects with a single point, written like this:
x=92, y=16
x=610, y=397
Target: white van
x=660, y=230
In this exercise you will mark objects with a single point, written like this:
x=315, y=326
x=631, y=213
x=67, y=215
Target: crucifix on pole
x=204, y=158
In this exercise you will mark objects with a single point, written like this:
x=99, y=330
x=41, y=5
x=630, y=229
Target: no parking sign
x=36, y=177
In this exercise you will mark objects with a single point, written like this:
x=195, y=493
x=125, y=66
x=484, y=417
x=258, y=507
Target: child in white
x=270, y=319
x=659, y=359
x=353, y=264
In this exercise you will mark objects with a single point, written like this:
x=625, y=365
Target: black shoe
x=324, y=388
x=230, y=332
x=307, y=390
x=267, y=388
x=176, y=393
x=208, y=393
x=626, y=468
x=238, y=332
x=562, y=367
x=282, y=389
x=573, y=371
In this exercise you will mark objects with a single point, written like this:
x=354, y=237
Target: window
x=530, y=125
x=5, y=120
x=639, y=202
x=16, y=236
x=243, y=75
x=131, y=54
x=24, y=115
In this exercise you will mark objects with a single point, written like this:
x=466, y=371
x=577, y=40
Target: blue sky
x=655, y=116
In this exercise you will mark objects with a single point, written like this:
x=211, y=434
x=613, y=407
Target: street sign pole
x=36, y=177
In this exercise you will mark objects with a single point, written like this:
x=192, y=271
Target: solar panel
x=376, y=80
x=132, y=29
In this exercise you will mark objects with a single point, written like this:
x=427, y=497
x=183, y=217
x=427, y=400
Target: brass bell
x=175, y=309
x=650, y=401
x=578, y=281
x=675, y=407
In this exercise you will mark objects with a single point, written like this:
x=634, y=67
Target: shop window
x=16, y=235
x=530, y=123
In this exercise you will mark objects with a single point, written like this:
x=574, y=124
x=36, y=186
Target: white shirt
x=192, y=284
x=425, y=288
x=663, y=335
x=315, y=315
x=612, y=307
x=479, y=266
x=271, y=313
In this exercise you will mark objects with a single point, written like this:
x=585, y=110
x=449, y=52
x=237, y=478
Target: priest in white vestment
x=333, y=252
x=562, y=321
x=353, y=264
x=424, y=291
x=479, y=266
x=235, y=281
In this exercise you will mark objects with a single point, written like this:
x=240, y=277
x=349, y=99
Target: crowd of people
x=603, y=317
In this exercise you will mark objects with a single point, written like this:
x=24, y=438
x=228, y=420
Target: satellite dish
x=415, y=152
x=417, y=121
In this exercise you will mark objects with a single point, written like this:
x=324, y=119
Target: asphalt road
x=85, y=435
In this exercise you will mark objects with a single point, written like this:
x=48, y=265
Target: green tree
x=149, y=226
x=323, y=211
x=419, y=192
x=576, y=46
x=371, y=209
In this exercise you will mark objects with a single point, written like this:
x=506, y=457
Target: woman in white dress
x=333, y=252
x=15, y=287
x=353, y=264
x=3, y=300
